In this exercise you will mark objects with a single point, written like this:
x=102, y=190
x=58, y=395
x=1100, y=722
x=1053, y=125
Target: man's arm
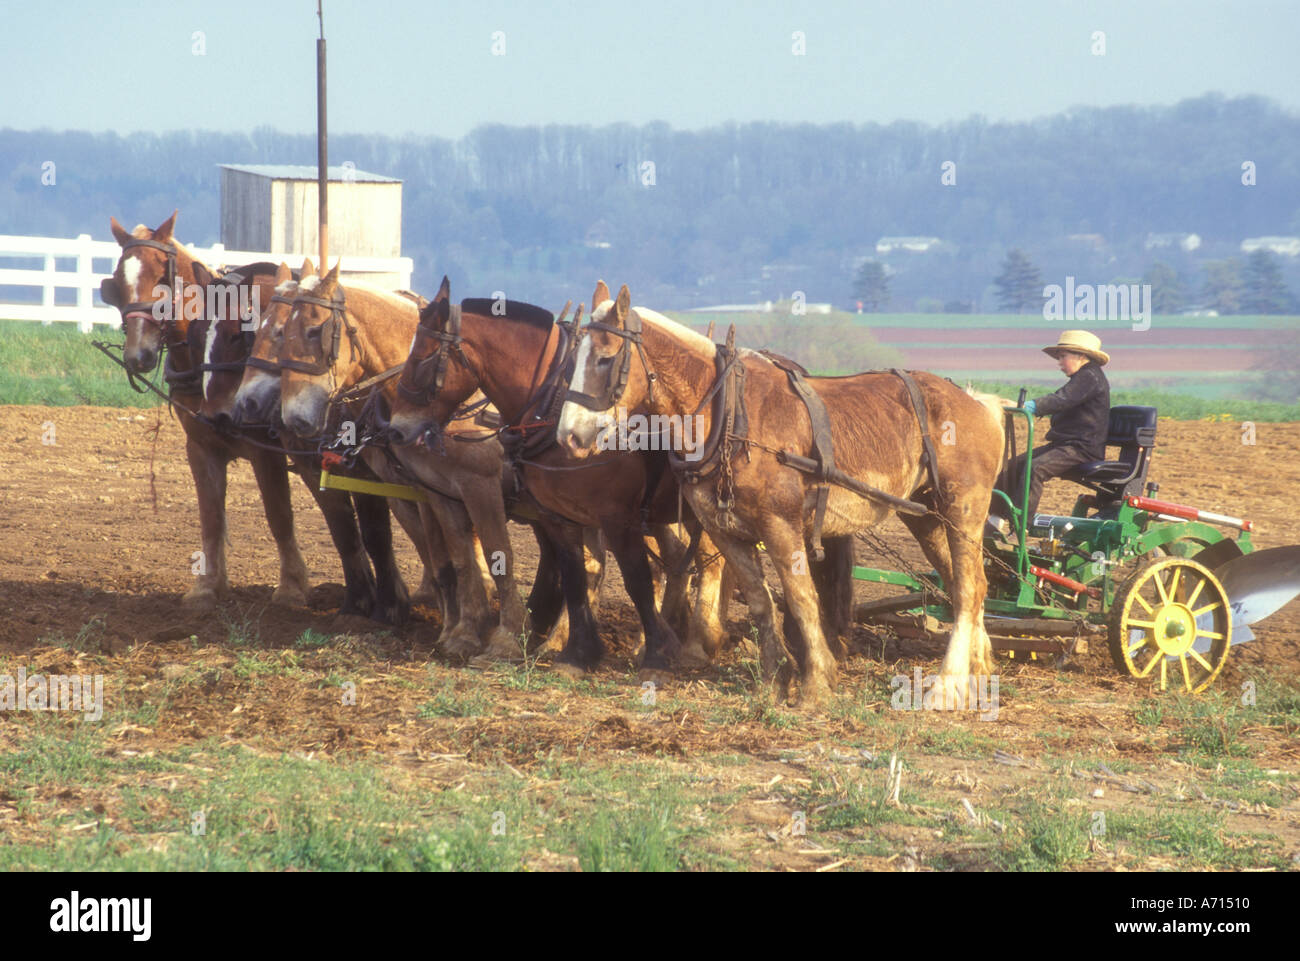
x=1077, y=389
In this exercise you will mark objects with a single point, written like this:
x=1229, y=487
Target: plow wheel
x=1160, y=614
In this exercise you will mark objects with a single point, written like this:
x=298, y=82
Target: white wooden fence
x=85, y=275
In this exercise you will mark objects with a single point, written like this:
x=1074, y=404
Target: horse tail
x=994, y=406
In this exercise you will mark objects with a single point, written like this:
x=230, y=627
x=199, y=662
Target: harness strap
x=928, y=457
x=823, y=447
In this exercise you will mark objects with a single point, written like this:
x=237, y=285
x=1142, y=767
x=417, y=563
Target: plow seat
x=1133, y=431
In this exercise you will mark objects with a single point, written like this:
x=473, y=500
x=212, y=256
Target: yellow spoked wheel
x=1171, y=622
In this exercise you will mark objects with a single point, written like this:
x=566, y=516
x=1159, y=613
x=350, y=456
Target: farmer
x=1080, y=413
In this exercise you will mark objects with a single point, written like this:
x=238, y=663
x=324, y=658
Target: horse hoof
x=656, y=676
x=199, y=599
x=503, y=645
x=289, y=595
x=395, y=613
x=813, y=695
x=460, y=646
x=571, y=671
x=694, y=655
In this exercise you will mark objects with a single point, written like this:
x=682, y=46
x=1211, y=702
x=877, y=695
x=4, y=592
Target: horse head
x=146, y=287
x=437, y=376
x=257, y=399
x=320, y=353
x=604, y=376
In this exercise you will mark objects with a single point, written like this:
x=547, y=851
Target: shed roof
x=308, y=172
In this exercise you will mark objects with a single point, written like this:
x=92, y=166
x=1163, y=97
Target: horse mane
x=516, y=310
x=693, y=338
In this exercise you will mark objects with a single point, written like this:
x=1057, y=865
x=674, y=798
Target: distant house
x=912, y=245
x=765, y=307
x=1286, y=246
x=598, y=235
x=1095, y=241
x=1185, y=242
x=273, y=207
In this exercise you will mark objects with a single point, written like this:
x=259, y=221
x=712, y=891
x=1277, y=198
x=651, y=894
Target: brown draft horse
x=877, y=441
x=150, y=287
x=333, y=339
x=509, y=356
x=225, y=343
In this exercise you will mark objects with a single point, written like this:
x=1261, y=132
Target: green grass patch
x=57, y=366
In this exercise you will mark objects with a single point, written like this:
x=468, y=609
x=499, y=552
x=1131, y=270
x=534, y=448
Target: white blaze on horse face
x=578, y=427
x=207, y=356
x=130, y=279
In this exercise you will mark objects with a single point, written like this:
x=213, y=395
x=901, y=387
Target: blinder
x=428, y=375
x=330, y=333
x=630, y=333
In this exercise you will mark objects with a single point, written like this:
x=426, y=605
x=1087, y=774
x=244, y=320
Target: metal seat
x=1133, y=431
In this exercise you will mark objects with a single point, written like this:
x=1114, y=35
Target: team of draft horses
x=496, y=410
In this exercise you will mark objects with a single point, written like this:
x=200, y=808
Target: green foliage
x=1020, y=285
x=57, y=366
x=871, y=286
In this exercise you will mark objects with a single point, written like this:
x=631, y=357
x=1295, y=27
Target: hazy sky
x=401, y=66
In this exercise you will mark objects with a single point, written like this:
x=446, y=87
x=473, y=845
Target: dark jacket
x=1080, y=411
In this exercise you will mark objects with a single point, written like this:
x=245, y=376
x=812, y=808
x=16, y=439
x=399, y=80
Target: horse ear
x=283, y=274
x=621, y=306
x=444, y=290
x=308, y=269
x=600, y=296
x=202, y=276
x=436, y=312
x=331, y=279
x=164, y=231
x=120, y=233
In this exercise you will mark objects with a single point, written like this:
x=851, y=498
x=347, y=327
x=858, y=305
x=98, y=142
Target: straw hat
x=1080, y=342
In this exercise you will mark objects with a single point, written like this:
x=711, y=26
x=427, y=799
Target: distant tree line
x=743, y=213
x=1230, y=286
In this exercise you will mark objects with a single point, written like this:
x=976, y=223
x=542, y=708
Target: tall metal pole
x=322, y=151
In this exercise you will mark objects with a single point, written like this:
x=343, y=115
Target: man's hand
x=1029, y=407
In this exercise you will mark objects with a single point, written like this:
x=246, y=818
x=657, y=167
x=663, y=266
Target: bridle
x=258, y=363
x=110, y=295
x=427, y=376
x=630, y=333
x=330, y=329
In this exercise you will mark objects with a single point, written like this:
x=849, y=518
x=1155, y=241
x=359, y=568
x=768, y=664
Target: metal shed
x=273, y=207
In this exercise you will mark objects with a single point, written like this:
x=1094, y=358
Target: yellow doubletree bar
x=340, y=482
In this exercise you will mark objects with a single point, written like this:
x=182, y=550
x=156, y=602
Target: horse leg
x=546, y=600
x=593, y=560
x=675, y=607
x=833, y=578
x=461, y=636
x=969, y=652
x=707, y=625
x=393, y=604
x=209, y=471
x=341, y=520
x=661, y=643
x=788, y=552
x=775, y=661
x=583, y=649
x=273, y=481
x=488, y=514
